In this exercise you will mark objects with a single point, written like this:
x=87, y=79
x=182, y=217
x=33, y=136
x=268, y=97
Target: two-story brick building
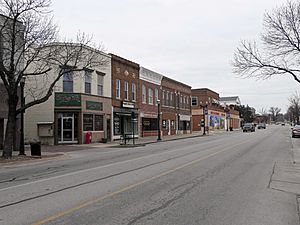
x=150, y=84
x=206, y=107
x=175, y=107
x=81, y=103
x=125, y=96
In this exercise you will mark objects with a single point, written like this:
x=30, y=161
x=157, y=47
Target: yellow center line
x=88, y=203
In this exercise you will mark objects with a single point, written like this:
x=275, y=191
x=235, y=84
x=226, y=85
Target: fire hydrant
x=88, y=137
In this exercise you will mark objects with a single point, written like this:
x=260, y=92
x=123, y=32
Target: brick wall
x=124, y=70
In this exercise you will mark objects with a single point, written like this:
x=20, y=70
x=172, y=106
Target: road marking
x=88, y=203
x=92, y=169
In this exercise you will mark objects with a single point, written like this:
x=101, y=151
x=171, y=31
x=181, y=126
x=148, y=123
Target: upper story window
x=194, y=101
x=88, y=82
x=68, y=81
x=133, y=92
x=167, y=98
x=126, y=90
x=171, y=99
x=150, y=95
x=118, y=82
x=100, y=80
x=144, y=94
x=163, y=98
x=184, y=100
x=180, y=103
x=156, y=96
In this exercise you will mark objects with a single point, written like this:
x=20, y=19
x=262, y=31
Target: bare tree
x=30, y=48
x=264, y=113
x=279, y=54
x=275, y=111
x=294, y=107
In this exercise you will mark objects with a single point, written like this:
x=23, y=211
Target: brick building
x=126, y=96
x=150, y=84
x=175, y=107
x=206, y=106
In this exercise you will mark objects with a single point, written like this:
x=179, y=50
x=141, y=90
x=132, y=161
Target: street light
x=204, y=107
x=158, y=120
x=22, y=149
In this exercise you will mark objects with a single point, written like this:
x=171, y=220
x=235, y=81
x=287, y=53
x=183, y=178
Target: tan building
x=81, y=103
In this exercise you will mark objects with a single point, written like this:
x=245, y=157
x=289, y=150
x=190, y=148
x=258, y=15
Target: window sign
x=164, y=124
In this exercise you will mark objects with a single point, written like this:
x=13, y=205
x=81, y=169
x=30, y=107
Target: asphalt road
x=213, y=180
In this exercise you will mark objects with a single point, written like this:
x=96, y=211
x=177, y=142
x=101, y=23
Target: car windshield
x=297, y=126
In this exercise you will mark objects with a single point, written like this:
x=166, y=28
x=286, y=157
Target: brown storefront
x=76, y=114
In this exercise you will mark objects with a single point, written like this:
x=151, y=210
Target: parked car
x=296, y=131
x=248, y=127
x=261, y=126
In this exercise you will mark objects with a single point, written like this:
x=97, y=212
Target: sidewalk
x=138, y=141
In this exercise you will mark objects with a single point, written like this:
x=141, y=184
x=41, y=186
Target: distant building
x=208, y=107
x=233, y=100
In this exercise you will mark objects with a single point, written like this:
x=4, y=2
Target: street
x=221, y=179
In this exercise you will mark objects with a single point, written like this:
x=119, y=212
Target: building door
x=108, y=130
x=67, y=128
x=1, y=133
x=169, y=127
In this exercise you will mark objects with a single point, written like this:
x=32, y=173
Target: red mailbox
x=88, y=137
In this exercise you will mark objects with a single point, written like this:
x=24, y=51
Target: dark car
x=248, y=127
x=261, y=126
x=296, y=131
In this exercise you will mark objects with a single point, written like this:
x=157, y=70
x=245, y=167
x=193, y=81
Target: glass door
x=67, y=128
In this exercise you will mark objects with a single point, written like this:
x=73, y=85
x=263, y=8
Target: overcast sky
x=192, y=41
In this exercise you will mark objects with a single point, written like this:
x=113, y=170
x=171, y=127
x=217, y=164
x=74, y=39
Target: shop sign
x=206, y=111
x=164, y=124
x=67, y=99
x=90, y=105
x=128, y=105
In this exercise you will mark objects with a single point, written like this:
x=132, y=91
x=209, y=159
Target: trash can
x=35, y=148
x=231, y=128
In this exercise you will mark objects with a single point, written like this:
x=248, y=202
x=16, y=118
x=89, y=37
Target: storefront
x=184, y=125
x=77, y=114
x=125, y=121
x=149, y=124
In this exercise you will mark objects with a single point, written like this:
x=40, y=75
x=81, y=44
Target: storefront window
x=149, y=124
x=98, y=122
x=88, y=122
x=117, y=125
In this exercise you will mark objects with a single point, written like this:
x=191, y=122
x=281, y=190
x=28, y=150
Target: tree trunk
x=10, y=134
